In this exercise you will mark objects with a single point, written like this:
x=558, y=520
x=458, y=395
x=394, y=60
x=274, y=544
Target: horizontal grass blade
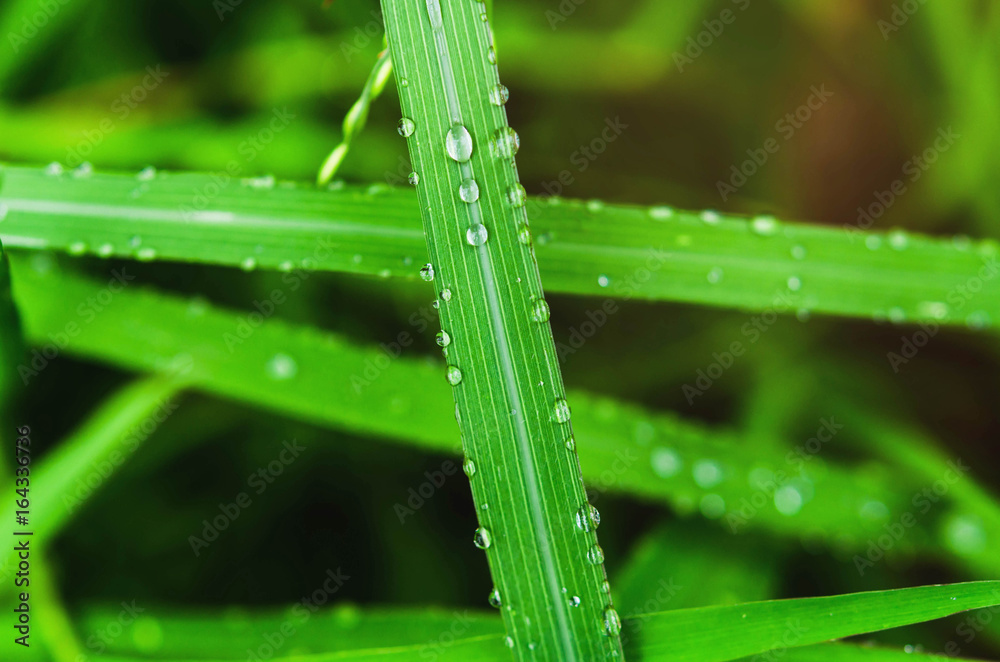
x=657, y=254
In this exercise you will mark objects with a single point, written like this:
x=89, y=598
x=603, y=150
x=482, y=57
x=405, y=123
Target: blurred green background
x=690, y=114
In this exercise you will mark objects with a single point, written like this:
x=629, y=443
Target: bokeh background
x=690, y=114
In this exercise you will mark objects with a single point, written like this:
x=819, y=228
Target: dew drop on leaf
x=77, y=248
x=764, y=226
x=413, y=179
x=661, y=213
x=507, y=142
x=454, y=375
x=494, y=598
x=595, y=555
x=443, y=339
x=482, y=538
x=612, y=622
x=499, y=95
x=588, y=518
x=524, y=234
x=468, y=191
x=446, y=295
x=405, y=127
x=540, y=310
x=427, y=272
x=458, y=143
x=469, y=467
x=561, y=410
x=709, y=216
x=282, y=367
x=516, y=195
x=477, y=235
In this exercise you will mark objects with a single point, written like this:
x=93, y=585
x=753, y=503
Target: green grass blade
x=536, y=524
x=713, y=634
x=657, y=254
x=842, y=652
x=622, y=447
x=11, y=341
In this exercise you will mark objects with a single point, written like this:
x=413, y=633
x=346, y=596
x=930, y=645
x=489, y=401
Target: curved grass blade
x=11, y=340
x=536, y=526
x=657, y=254
x=622, y=447
x=357, y=116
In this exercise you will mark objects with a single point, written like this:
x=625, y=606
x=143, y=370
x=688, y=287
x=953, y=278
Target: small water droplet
x=595, y=555
x=443, y=339
x=468, y=191
x=561, y=410
x=54, y=168
x=262, y=182
x=764, y=226
x=898, y=239
x=469, y=467
x=282, y=367
x=715, y=275
x=574, y=601
x=499, y=94
x=794, y=283
x=799, y=252
x=588, y=518
x=405, y=127
x=413, y=179
x=146, y=174
x=661, y=213
x=494, y=598
x=135, y=241
x=491, y=55
x=145, y=254
x=517, y=195
x=404, y=82
x=603, y=280
x=666, y=462
x=612, y=622
x=105, y=250
x=507, y=142
x=509, y=641
x=524, y=234
x=873, y=242
x=454, y=375
x=594, y=206
x=446, y=295
x=249, y=264
x=458, y=143
x=77, y=248
x=710, y=216
x=477, y=235
x=427, y=272
x=540, y=311
x=571, y=443
x=482, y=538
x=83, y=170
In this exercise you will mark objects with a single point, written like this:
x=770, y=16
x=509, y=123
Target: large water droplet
x=468, y=190
x=477, y=235
x=458, y=143
x=413, y=179
x=603, y=280
x=588, y=518
x=454, y=375
x=595, y=555
x=443, y=339
x=499, y=95
x=612, y=622
x=524, y=234
x=540, y=311
x=712, y=506
x=427, y=272
x=507, y=142
x=494, y=598
x=561, y=410
x=446, y=295
x=482, y=538
x=282, y=367
x=517, y=195
x=406, y=127
x=469, y=467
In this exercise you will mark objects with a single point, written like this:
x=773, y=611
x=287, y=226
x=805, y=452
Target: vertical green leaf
x=535, y=523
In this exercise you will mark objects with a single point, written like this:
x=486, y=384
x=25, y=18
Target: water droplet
x=898, y=239
x=707, y=473
x=788, y=500
x=715, y=275
x=594, y=206
x=571, y=443
x=517, y=195
x=146, y=174
x=458, y=143
x=405, y=127
x=561, y=410
x=612, y=622
x=799, y=252
x=282, y=367
x=507, y=142
x=765, y=226
x=509, y=641
x=427, y=272
x=524, y=234
x=961, y=242
x=454, y=375
x=666, y=462
x=710, y=216
x=446, y=295
x=468, y=191
x=54, y=168
x=491, y=55
x=499, y=95
x=661, y=213
x=477, y=235
x=249, y=264
x=77, y=248
x=443, y=339
x=145, y=254
x=873, y=242
x=595, y=555
x=794, y=283
x=414, y=178
x=979, y=319
x=588, y=518
x=105, y=250
x=574, y=601
x=482, y=538
x=494, y=598
x=404, y=82
x=934, y=309
x=603, y=280
x=83, y=170
x=262, y=182
x=540, y=311
x=469, y=467
x=897, y=315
